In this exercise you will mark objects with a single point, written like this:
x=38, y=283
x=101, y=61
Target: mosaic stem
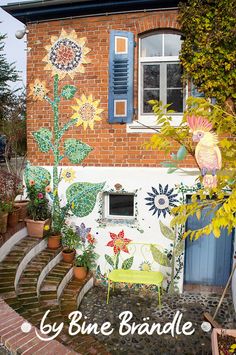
x=56, y=212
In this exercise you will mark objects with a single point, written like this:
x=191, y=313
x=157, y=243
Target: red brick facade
x=112, y=145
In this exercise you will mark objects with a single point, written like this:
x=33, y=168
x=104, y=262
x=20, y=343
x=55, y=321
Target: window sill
x=148, y=124
x=114, y=221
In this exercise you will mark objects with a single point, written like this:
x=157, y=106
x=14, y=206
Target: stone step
x=47, y=297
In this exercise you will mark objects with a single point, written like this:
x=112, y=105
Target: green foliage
x=8, y=73
x=127, y=264
x=109, y=260
x=166, y=231
x=70, y=238
x=76, y=150
x=43, y=137
x=82, y=197
x=159, y=257
x=68, y=92
x=38, y=207
x=208, y=53
x=37, y=175
x=167, y=133
x=87, y=258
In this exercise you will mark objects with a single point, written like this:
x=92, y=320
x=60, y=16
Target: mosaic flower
x=38, y=90
x=87, y=111
x=119, y=242
x=91, y=239
x=48, y=189
x=161, y=200
x=145, y=266
x=66, y=55
x=68, y=175
x=83, y=231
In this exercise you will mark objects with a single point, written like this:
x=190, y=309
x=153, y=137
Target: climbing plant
x=208, y=52
x=66, y=55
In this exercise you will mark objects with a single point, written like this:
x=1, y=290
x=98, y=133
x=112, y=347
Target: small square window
x=119, y=206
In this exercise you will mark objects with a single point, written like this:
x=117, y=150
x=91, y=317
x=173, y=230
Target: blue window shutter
x=121, y=77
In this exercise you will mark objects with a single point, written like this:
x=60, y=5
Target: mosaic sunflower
x=145, y=266
x=161, y=200
x=87, y=111
x=66, y=55
x=38, y=90
x=68, y=175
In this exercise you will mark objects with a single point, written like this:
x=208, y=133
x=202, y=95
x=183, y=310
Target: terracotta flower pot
x=3, y=222
x=80, y=272
x=36, y=228
x=215, y=338
x=68, y=255
x=54, y=241
x=23, y=208
x=13, y=217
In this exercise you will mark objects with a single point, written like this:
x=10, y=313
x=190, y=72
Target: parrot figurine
x=207, y=152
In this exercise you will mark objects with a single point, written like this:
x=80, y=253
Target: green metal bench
x=136, y=277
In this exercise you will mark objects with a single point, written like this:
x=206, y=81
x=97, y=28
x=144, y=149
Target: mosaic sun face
x=66, y=55
x=87, y=112
x=161, y=200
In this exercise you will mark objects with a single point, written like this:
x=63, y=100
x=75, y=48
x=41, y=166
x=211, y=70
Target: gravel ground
x=3, y=351
x=142, y=306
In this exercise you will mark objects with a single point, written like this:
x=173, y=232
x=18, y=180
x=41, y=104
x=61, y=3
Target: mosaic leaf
x=82, y=196
x=166, y=231
x=109, y=260
x=159, y=257
x=127, y=264
x=39, y=175
x=76, y=150
x=179, y=249
x=43, y=138
x=182, y=152
x=68, y=92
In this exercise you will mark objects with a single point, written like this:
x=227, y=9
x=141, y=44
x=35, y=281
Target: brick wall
x=112, y=145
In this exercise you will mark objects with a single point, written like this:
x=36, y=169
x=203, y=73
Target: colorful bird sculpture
x=207, y=152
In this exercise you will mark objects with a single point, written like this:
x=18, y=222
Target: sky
x=15, y=49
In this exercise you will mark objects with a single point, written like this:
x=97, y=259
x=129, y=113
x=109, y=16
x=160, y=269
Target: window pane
x=151, y=76
x=174, y=73
x=175, y=97
x=151, y=46
x=172, y=44
x=149, y=95
x=121, y=205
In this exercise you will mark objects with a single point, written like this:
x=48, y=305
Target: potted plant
x=4, y=208
x=85, y=257
x=70, y=241
x=54, y=236
x=13, y=214
x=38, y=212
x=223, y=341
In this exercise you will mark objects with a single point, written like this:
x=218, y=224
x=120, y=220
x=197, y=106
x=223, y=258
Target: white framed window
x=160, y=74
x=119, y=206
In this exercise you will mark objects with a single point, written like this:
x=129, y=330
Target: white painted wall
x=131, y=179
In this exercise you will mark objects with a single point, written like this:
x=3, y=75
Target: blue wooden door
x=207, y=260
